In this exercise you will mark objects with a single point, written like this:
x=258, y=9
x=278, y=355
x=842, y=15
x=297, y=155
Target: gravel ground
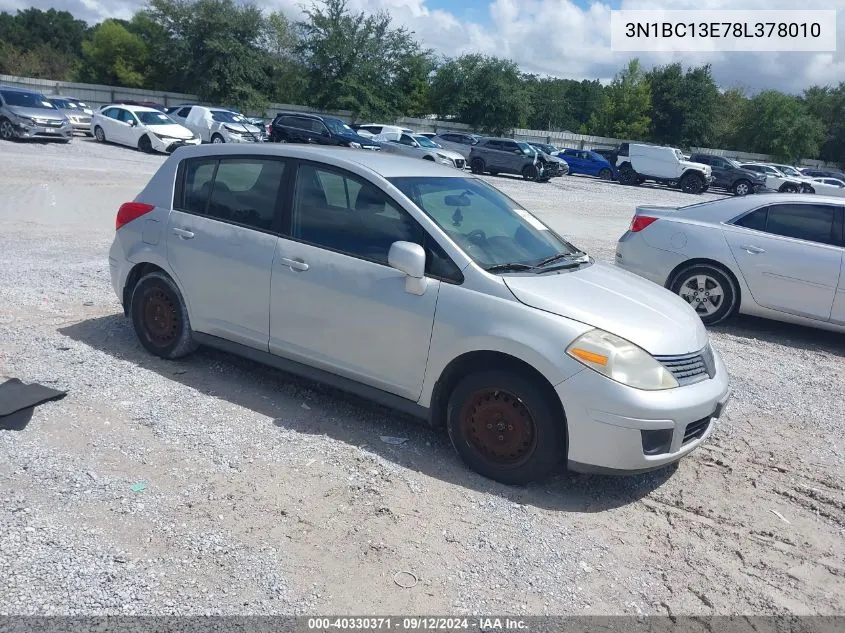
x=215, y=485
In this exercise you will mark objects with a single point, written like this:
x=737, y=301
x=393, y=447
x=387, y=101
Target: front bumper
x=169, y=145
x=81, y=125
x=37, y=131
x=243, y=138
x=612, y=426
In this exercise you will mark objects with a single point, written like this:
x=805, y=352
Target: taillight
x=640, y=222
x=130, y=211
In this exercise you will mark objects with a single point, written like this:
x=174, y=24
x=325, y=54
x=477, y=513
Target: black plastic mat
x=16, y=396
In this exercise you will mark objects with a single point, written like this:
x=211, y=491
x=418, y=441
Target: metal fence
x=98, y=95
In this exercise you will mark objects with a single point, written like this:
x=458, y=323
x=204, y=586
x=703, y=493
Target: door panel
x=837, y=315
x=783, y=273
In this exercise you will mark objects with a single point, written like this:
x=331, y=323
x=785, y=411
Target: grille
x=459, y=163
x=696, y=429
x=50, y=123
x=689, y=368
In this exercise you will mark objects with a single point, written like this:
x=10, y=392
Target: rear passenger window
x=238, y=190
x=755, y=220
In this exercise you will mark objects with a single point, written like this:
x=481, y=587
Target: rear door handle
x=185, y=234
x=294, y=264
x=753, y=250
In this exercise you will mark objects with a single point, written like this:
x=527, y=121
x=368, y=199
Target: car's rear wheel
x=709, y=290
x=99, y=134
x=505, y=427
x=160, y=317
x=476, y=165
x=627, y=176
x=217, y=139
x=742, y=188
x=605, y=174
x=530, y=172
x=145, y=145
x=691, y=183
x=7, y=130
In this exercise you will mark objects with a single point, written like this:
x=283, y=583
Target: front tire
x=217, y=139
x=691, y=183
x=709, y=290
x=99, y=134
x=145, y=145
x=476, y=165
x=505, y=428
x=742, y=188
x=627, y=175
x=789, y=189
x=7, y=130
x=160, y=317
x=530, y=172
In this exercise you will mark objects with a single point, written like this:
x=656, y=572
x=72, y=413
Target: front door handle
x=185, y=234
x=753, y=250
x=294, y=264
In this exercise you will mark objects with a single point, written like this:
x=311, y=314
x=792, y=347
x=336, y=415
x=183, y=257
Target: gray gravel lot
x=266, y=494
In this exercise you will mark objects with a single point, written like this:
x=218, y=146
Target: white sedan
x=829, y=187
x=137, y=126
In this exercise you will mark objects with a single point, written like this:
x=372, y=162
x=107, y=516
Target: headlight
x=355, y=145
x=445, y=159
x=621, y=360
x=26, y=119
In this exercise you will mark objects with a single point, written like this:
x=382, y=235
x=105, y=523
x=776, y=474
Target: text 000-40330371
x=723, y=30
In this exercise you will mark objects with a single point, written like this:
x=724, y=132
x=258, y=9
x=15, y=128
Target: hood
x=357, y=138
x=705, y=168
x=243, y=127
x=619, y=302
x=41, y=113
x=175, y=131
x=751, y=175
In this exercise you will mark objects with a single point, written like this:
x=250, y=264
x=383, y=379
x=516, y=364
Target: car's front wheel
x=709, y=290
x=160, y=317
x=742, y=188
x=7, y=130
x=692, y=183
x=217, y=139
x=505, y=427
x=476, y=165
x=99, y=134
x=145, y=145
x=530, y=172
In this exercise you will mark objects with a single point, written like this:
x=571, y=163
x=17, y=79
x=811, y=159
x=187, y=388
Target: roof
x=19, y=89
x=726, y=208
x=311, y=115
x=385, y=164
x=132, y=108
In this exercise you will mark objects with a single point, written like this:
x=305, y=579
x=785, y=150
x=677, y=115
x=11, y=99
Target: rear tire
x=627, y=175
x=160, y=317
x=505, y=428
x=698, y=284
x=476, y=165
x=605, y=174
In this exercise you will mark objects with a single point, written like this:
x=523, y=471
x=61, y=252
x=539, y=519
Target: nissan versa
x=425, y=289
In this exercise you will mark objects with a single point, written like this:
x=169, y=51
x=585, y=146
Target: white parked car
x=217, y=125
x=138, y=126
x=829, y=187
x=638, y=163
x=768, y=255
x=370, y=130
x=776, y=180
x=792, y=172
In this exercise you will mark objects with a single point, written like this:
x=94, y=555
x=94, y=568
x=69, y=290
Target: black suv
x=298, y=127
x=506, y=156
x=727, y=174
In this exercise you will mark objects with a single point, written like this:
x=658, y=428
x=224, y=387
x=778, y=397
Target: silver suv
x=423, y=288
x=27, y=114
x=505, y=155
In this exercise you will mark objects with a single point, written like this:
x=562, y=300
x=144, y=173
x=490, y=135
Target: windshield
x=337, y=126
x=154, y=118
x=732, y=162
x=26, y=99
x=789, y=171
x=78, y=103
x=424, y=141
x=526, y=148
x=64, y=104
x=490, y=227
x=224, y=116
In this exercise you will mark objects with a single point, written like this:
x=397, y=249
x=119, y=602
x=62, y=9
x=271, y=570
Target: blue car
x=586, y=162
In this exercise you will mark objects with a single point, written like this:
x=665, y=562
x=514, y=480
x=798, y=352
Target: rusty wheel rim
x=161, y=318
x=499, y=426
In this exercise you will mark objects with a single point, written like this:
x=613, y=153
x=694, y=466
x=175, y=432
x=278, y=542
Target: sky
x=561, y=38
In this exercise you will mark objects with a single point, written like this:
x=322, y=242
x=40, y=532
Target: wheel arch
x=137, y=272
x=485, y=360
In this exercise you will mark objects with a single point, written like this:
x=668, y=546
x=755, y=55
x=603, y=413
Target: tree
x=780, y=125
x=550, y=104
x=215, y=50
x=280, y=40
x=485, y=92
x=357, y=61
x=684, y=105
x=828, y=106
x=728, y=124
x=113, y=56
x=625, y=109
x=36, y=43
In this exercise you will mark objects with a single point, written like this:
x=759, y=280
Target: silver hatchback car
x=425, y=289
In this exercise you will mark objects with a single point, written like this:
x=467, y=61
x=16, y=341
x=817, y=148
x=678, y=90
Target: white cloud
x=559, y=37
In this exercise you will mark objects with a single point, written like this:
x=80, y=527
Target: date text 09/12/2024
x=418, y=623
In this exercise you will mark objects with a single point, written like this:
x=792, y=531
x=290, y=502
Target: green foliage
x=828, y=105
x=625, y=110
x=781, y=125
x=684, y=105
x=113, y=55
x=486, y=92
x=44, y=44
x=729, y=119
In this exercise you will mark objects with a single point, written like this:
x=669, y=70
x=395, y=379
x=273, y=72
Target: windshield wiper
x=509, y=267
x=558, y=257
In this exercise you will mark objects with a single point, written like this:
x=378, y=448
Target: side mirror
x=409, y=258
